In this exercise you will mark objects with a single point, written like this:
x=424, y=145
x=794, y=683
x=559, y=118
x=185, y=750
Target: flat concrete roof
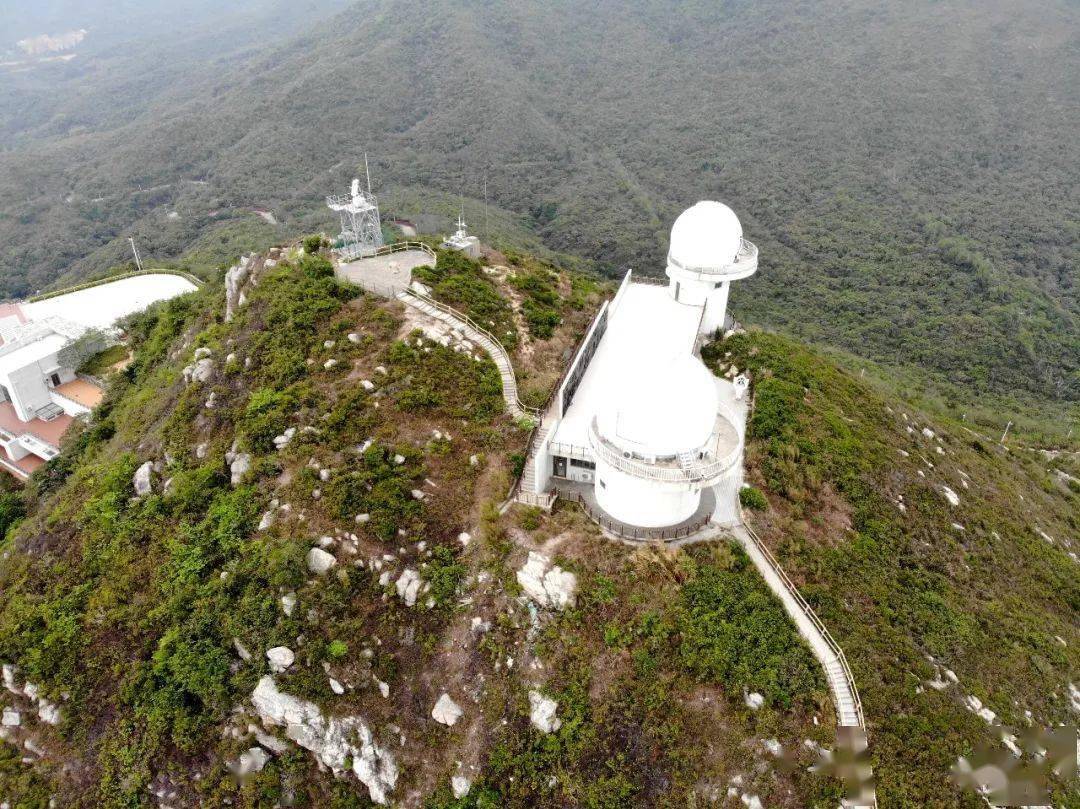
x=647, y=327
x=101, y=306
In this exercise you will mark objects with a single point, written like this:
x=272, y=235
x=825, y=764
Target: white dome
x=707, y=234
x=661, y=409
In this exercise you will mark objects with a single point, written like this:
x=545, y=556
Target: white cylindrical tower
x=657, y=441
x=707, y=253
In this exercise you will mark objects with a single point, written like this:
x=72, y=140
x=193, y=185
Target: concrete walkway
x=474, y=334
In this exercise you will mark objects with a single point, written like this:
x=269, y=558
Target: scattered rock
x=951, y=496
x=266, y=521
x=460, y=786
x=330, y=363
x=408, y=586
x=280, y=657
x=353, y=337
x=336, y=686
x=250, y=761
x=552, y=587
x=464, y=538
x=288, y=603
x=239, y=468
x=754, y=700
x=446, y=711
x=319, y=561
x=11, y=718
x=241, y=650
x=542, y=712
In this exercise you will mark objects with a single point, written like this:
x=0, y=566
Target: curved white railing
x=745, y=263
x=804, y=605
x=488, y=340
x=700, y=473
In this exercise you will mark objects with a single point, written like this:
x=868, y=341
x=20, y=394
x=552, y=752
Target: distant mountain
x=910, y=171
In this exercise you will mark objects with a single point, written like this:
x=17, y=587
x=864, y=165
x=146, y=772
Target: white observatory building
x=640, y=430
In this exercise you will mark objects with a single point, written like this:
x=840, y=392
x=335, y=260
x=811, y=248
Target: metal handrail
x=496, y=346
x=569, y=450
x=703, y=474
x=398, y=247
x=631, y=532
x=817, y=622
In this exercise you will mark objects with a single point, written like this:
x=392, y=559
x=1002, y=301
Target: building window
x=582, y=464
x=55, y=380
x=603, y=485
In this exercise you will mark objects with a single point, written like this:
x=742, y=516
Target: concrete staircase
x=478, y=336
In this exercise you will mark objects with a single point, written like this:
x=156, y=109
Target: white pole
x=1007, y=426
x=138, y=261
x=367, y=172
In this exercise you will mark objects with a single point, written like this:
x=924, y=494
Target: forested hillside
x=272, y=571
x=908, y=170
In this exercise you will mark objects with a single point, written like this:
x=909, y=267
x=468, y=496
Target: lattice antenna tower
x=361, y=228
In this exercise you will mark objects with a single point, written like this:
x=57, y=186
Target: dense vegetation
x=858, y=513
x=909, y=171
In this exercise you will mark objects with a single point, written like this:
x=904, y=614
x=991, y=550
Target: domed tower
x=658, y=439
x=707, y=253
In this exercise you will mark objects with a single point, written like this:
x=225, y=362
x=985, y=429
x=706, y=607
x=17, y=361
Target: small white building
x=462, y=241
x=640, y=428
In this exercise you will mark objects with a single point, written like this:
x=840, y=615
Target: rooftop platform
x=585, y=495
x=48, y=431
x=99, y=307
x=385, y=274
x=646, y=327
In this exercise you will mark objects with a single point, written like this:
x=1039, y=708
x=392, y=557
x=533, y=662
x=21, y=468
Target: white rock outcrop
x=143, y=479
x=234, y=280
x=754, y=700
x=319, y=561
x=547, y=586
x=334, y=741
x=199, y=371
x=446, y=711
x=951, y=496
x=542, y=712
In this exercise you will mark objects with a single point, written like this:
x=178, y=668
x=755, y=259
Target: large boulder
x=143, y=479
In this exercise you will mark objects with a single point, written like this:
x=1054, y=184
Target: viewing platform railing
x=699, y=473
x=745, y=263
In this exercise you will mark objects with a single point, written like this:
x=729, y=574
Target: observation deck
x=696, y=468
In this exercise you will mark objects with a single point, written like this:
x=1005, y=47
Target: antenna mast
x=135, y=250
x=367, y=172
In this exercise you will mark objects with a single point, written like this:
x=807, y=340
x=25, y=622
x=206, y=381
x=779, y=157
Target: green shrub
x=753, y=498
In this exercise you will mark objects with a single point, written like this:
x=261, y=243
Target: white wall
x=27, y=388
x=641, y=502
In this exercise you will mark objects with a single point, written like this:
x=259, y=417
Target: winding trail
x=479, y=336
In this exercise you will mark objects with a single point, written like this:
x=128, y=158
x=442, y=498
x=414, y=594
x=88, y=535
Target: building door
x=560, y=467
x=55, y=380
